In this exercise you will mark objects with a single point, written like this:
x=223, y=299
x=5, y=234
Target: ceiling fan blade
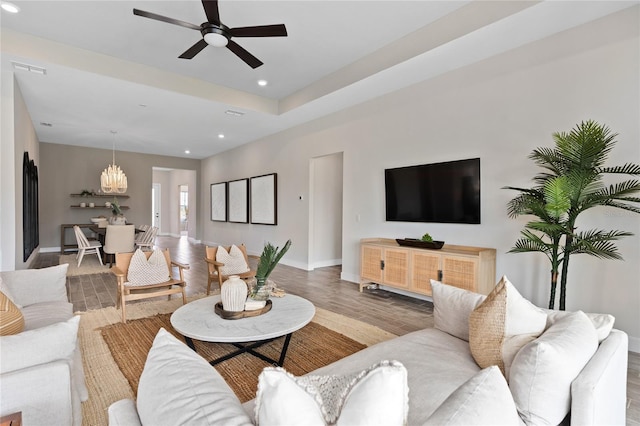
x=240, y=51
x=194, y=50
x=278, y=30
x=211, y=10
x=165, y=19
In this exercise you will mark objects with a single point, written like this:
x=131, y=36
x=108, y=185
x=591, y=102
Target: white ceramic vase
x=233, y=294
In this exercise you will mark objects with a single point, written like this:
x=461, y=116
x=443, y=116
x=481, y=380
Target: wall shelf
x=98, y=207
x=101, y=196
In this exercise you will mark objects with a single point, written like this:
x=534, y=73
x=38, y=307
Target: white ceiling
x=107, y=69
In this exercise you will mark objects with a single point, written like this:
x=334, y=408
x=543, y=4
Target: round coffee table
x=198, y=320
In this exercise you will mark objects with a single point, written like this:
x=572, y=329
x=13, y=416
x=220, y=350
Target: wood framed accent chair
x=85, y=246
x=220, y=271
x=130, y=289
x=118, y=239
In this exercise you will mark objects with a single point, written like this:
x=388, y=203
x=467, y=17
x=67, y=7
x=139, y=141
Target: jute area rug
x=89, y=265
x=328, y=337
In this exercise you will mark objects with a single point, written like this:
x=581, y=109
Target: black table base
x=249, y=348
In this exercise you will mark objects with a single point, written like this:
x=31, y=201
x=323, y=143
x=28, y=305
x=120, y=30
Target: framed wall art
x=219, y=202
x=263, y=198
x=238, y=200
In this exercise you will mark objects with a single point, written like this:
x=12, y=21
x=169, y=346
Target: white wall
x=498, y=110
x=18, y=136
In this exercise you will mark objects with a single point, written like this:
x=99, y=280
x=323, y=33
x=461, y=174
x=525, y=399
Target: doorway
x=156, y=195
x=184, y=210
x=325, y=211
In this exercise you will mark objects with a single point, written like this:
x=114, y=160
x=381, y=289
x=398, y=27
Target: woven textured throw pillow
x=143, y=271
x=501, y=325
x=234, y=261
x=11, y=318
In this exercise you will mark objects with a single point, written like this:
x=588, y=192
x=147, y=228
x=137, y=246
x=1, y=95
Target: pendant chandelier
x=113, y=179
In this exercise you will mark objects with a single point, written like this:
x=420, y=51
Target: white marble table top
x=199, y=321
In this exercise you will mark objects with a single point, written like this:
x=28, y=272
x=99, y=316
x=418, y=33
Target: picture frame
x=238, y=200
x=219, y=202
x=263, y=200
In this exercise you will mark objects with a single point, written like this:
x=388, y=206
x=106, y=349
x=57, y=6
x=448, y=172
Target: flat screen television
x=446, y=192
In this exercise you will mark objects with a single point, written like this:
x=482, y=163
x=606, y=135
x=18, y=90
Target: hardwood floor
x=392, y=312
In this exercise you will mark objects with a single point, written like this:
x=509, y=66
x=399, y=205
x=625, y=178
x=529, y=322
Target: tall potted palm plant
x=571, y=183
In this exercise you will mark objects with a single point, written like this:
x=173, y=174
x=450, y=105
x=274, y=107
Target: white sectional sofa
x=41, y=373
x=548, y=383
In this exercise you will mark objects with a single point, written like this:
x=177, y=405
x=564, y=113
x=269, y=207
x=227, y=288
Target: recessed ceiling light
x=186, y=151
x=232, y=112
x=221, y=135
x=262, y=82
x=9, y=7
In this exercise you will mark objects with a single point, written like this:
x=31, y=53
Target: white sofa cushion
x=28, y=286
x=51, y=343
x=542, y=372
x=451, y=308
x=503, y=324
x=602, y=322
x=178, y=387
x=484, y=399
x=375, y=396
x=42, y=314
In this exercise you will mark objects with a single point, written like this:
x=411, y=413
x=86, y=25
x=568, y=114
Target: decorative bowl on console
x=414, y=242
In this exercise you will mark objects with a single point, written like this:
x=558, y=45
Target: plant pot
x=118, y=220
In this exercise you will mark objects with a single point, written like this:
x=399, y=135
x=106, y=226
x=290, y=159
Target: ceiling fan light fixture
x=216, y=40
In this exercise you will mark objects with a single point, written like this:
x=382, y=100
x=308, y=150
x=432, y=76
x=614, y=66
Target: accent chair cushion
x=234, y=261
x=543, y=370
x=11, y=319
x=452, y=307
x=178, y=387
x=503, y=324
x=375, y=396
x=143, y=271
x=484, y=399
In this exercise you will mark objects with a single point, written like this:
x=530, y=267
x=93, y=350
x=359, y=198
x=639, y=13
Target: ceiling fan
x=215, y=33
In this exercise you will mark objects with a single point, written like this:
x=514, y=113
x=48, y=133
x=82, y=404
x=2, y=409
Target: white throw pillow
x=451, y=308
x=143, y=271
x=234, y=261
x=503, y=324
x=40, y=346
x=375, y=396
x=602, y=322
x=7, y=292
x=484, y=399
x=542, y=372
x=178, y=387
x=36, y=285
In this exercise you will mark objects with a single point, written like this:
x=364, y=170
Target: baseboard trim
x=50, y=249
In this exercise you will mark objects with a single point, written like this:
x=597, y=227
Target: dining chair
x=85, y=246
x=142, y=229
x=118, y=239
x=147, y=239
